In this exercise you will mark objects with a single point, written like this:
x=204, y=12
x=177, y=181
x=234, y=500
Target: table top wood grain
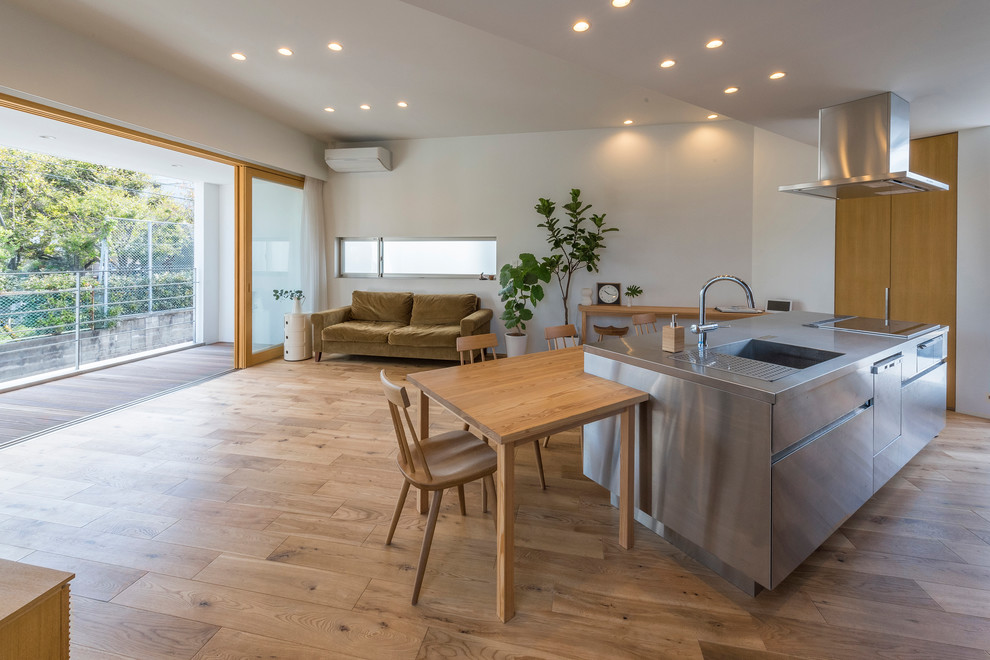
x=520, y=398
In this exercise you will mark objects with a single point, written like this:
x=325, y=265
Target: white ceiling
x=473, y=67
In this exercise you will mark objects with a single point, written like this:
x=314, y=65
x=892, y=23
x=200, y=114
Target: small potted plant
x=296, y=296
x=521, y=289
x=632, y=291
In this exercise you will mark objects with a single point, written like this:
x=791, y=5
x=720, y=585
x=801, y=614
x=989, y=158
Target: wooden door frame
x=243, y=174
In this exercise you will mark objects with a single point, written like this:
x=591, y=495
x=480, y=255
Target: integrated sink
x=785, y=355
x=758, y=358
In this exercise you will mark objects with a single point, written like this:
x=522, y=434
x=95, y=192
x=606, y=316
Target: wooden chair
x=467, y=346
x=557, y=336
x=644, y=323
x=433, y=464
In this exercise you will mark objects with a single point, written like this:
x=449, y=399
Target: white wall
x=42, y=61
x=973, y=273
x=793, y=235
x=682, y=197
x=225, y=264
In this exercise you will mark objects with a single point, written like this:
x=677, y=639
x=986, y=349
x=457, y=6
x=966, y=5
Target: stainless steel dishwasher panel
x=705, y=472
x=886, y=402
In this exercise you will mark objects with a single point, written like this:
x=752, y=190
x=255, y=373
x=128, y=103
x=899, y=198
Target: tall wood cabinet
x=906, y=243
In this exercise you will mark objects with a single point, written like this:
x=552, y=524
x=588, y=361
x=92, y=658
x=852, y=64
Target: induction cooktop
x=882, y=327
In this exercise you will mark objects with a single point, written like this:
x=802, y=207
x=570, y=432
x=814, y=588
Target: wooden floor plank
x=246, y=516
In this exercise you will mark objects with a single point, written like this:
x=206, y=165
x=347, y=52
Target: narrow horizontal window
x=416, y=257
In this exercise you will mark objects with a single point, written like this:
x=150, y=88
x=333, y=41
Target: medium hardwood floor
x=245, y=518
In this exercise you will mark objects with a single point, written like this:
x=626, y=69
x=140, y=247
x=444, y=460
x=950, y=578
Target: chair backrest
x=644, y=323
x=557, y=336
x=468, y=345
x=398, y=407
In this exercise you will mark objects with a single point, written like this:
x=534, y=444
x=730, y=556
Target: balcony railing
x=61, y=320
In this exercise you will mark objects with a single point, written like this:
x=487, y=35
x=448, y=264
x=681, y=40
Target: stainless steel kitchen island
x=748, y=469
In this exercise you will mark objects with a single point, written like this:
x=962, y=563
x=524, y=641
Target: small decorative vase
x=297, y=306
x=585, y=296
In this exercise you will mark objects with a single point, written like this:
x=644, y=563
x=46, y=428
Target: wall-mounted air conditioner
x=359, y=159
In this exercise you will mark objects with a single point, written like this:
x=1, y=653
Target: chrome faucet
x=701, y=328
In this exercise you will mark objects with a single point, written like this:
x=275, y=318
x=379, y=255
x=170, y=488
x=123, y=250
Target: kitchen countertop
x=858, y=350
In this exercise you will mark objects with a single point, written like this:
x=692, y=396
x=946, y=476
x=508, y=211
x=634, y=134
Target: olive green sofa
x=405, y=325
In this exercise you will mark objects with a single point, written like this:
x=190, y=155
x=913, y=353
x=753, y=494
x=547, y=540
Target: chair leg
x=319, y=354
x=398, y=511
x=484, y=496
x=424, y=554
x=489, y=481
x=460, y=498
x=539, y=464
x=546, y=441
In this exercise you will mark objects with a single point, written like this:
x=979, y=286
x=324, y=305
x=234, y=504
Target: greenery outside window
x=415, y=257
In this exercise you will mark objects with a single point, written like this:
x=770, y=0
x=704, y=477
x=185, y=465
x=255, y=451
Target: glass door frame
x=243, y=174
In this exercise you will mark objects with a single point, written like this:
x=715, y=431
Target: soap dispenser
x=672, y=336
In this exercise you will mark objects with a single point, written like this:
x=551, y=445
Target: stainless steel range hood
x=864, y=151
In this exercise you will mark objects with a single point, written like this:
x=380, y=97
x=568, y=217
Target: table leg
x=584, y=328
x=422, y=496
x=627, y=433
x=505, y=584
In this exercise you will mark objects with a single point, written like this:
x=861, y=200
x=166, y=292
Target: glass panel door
x=270, y=258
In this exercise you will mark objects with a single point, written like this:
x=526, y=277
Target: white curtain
x=314, y=253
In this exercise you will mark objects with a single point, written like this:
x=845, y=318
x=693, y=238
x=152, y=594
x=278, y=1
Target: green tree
x=54, y=212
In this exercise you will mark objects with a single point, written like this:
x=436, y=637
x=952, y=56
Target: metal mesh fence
x=141, y=295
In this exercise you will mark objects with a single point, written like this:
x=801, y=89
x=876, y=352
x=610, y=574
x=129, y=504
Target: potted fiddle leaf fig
x=521, y=290
x=575, y=244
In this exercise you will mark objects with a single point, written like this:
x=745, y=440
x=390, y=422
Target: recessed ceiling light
x=627, y=122
x=47, y=137
x=402, y=104
x=582, y=26
x=713, y=116
x=365, y=106
x=329, y=109
x=285, y=51
x=777, y=75
x=731, y=90
x=240, y=57
x=666, y=64
x=620, y=3
x=714, y=43
x=334, y=46
x=176, y=165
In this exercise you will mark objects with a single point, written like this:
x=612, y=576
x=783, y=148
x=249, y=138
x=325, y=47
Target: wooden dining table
x=519, y=399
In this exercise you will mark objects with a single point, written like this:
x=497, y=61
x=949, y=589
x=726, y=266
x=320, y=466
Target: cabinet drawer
x=814, y=489
x=800, y=416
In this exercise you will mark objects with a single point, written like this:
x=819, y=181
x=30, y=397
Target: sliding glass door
x=269, y=255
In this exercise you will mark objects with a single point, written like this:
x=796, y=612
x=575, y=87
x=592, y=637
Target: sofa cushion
x=366, y=331
x=442, y=309
x=381, y=306
x=434, y=336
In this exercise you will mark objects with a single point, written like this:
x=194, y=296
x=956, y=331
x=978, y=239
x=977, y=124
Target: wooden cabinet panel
x=907, y=243
x=862, y=255
x=923, y=246
x=34, y=612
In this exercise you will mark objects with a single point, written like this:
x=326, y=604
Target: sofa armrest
x=327, y=318
x=477, y=323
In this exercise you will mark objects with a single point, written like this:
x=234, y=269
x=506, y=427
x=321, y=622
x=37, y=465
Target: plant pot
x=515, y=345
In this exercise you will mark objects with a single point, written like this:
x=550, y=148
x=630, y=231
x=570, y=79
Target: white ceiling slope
x=474, y=67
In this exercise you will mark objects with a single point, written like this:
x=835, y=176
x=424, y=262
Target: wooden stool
x=610, y=331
